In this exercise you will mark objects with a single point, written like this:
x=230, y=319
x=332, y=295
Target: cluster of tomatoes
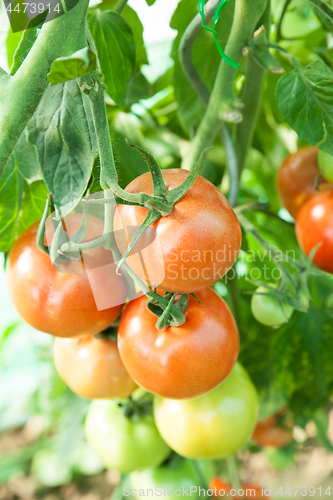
x=193, y=397
x=305, y=187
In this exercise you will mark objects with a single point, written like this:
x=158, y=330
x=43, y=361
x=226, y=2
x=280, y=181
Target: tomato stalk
x=169, y=312
x=184, y=51
x=251, y=97
x=109, y=176
x=21, y=92
x=200, y=475
x=233, y=472
x=121, y=4
x=223, y=105
x=42, y=226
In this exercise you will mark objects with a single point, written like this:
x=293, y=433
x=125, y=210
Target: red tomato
x=180, y=362
x=314, y=224
x=220, y=487
x=268, y=433
x=253, y=491
x=296, y=178
x=60, y=300
x=92, y=368
x=196, y=244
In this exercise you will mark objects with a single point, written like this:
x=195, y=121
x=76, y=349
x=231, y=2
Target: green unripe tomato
x=214, y=425
x=325, y=163
x=177, y=476
x=267, y=310
x=122, y=443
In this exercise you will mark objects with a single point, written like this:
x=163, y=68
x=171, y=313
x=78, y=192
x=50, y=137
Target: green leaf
x=62, y=130
x=150, y=2
x=136, y=26
x=137, y=29
x=12, y=42
x=305, y=97
x=206, y=59
x=302, y=360
x=19, y=46
x=21, y=200
x=78, y=64
x=138, y=88
x=324, y=12
x=116, y=50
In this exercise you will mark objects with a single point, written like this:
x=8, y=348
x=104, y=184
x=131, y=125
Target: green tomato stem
x=233, y=472
x=121, y=4
x=251, y=97
x=109, y=176
x=21, y=93
x=201, y=477
x=221, y=105
x=185, y=48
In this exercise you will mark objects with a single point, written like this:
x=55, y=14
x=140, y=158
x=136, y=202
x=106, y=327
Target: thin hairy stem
x=222, y=104
x=185, y=48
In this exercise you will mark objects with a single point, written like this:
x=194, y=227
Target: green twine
x=215, y=21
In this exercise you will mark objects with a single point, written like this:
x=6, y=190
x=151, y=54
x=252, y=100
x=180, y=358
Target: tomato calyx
x=169, y=198
x=169, y=311
x=136, y=408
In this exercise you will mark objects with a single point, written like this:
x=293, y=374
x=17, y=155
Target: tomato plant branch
x=233, y=472
x=251, y=97
x=279, y=25
x=223, y=105
x=185, y=47
x=121, y=4
x=109, y=176
x=249, y=228
x=201, y=477
x=20, y=93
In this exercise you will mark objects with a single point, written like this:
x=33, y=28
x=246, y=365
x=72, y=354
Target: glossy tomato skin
x=92, y=368
x=60, y=300
x=180, y=362
x=122, y=443
x=175, y=477
x=296, y=178
x=214, y=425
x=314, y=225
x=196, y=244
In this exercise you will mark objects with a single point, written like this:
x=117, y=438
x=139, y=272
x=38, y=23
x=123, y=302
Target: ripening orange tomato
x=92, y=368
x=314, y=226
x=188, y=250
x=296, y=178
x=59, y=300
x=220, y=487
x=184, y=361
x=268, y=433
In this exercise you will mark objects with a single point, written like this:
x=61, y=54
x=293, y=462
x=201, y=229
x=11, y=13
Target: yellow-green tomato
x=267, y=310
x=325, y=163
x=176, y=479
x=214, y=425
x=124, y=443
